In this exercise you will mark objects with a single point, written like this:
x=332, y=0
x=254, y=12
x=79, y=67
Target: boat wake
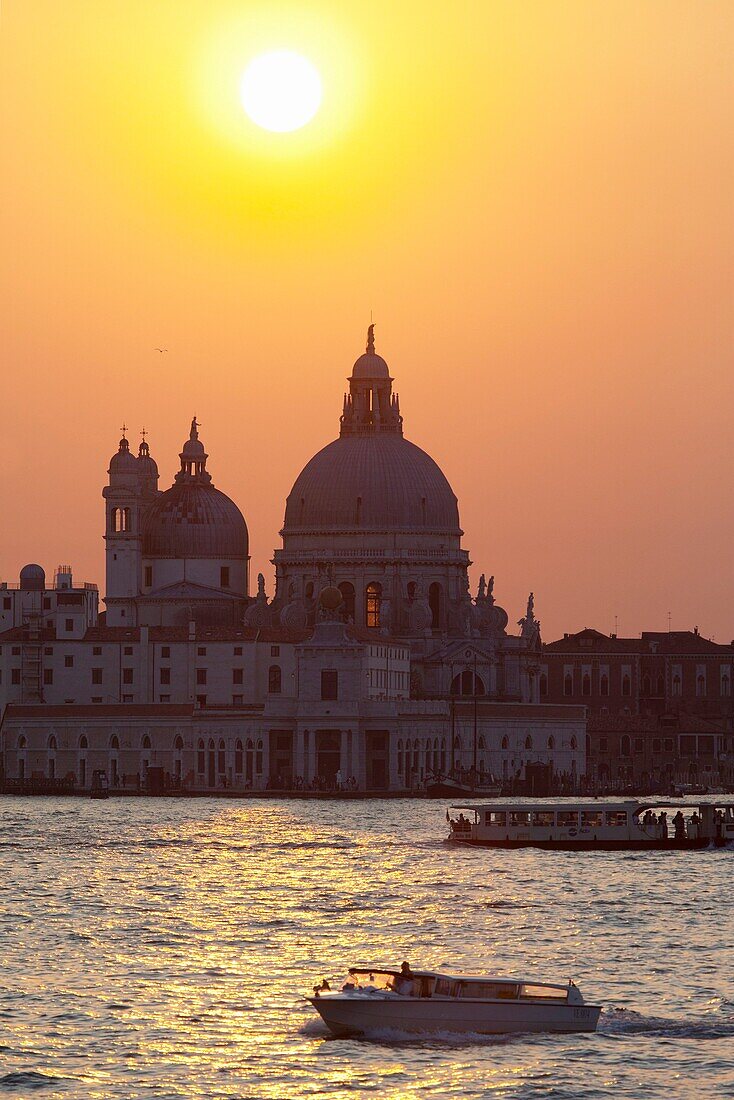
x=625, y=1021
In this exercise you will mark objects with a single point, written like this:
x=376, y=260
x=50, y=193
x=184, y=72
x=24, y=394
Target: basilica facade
x=370, y=665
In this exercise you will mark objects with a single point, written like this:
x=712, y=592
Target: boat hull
x=669, y=845
x=446, y=788
x=348, y=1015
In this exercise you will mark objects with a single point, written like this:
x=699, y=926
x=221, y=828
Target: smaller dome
x=32, y=578
x=193, y=448
x=147, y=465
x=123, y=462
x=370, y=365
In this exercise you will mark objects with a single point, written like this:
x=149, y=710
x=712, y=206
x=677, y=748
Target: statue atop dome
x=370, y=349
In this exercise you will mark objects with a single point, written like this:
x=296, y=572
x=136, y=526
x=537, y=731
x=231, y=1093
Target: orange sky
x=535, y=199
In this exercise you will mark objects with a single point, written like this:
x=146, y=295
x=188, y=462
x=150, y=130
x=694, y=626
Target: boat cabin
x=428, y=983
x=626, y=824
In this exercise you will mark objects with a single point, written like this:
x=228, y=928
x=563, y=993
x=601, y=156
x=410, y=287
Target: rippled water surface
x=159, y=948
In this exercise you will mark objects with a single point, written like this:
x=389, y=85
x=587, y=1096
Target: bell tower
x=133, y=482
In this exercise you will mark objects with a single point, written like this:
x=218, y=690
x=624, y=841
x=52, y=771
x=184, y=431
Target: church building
x=372, y=666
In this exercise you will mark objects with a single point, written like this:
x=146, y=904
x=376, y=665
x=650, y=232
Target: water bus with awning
x=593, y=825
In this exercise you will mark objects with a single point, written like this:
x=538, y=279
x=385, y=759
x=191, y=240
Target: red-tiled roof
x=662, y=643
x=98, y=710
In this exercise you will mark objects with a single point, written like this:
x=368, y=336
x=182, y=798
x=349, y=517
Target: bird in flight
x=161, y=350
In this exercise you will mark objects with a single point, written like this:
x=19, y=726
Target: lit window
x=372, y=606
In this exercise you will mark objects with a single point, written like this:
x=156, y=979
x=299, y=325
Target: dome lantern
x=371, y=406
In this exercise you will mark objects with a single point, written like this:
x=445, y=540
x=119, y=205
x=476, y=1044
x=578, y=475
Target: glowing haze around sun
x=280, y=91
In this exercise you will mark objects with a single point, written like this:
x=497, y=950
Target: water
x=158, y=948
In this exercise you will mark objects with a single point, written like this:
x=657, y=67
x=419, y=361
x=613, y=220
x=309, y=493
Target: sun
x=280, y=91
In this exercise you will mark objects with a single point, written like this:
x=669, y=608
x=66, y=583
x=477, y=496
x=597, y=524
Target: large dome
x=372, y=481
x=194, y=521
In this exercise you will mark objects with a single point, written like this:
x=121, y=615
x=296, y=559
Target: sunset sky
x=534, y=199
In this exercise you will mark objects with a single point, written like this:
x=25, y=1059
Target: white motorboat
x=595, y=826
x=378, y=998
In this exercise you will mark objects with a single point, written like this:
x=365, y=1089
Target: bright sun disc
x=280, y=91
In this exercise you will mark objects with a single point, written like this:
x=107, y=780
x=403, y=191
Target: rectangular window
x=201, y=675
x=687, y=745
x=128, y=651
x=96, y=698
x=545, y=819
x=668, y=744
x=165, y=652
x=568, y=819
x=237, y=702
x=127, y=698
x=519, y=819
x=68, y=661
x=224, y=576
x=275, y=651
x=7, y=603
x=705, y=745
x=165, y=675
x=639, y=744
x=237, y=675
x=164, y=698
x=97, y=651
x=46, y=604
x=201, y=700
x=48, y=651
x=96, y=675
x=496, y=818
x=127, y=675
x=616, y=818
x=48, y=676
x=148, y=580
x=69, y=624
x=603, y=745
x=201, y=651
x=329, y=683
x=238, y=651
x=15, y=651
x=591, y=819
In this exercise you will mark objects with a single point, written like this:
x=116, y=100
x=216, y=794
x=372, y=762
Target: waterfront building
x=371, y=665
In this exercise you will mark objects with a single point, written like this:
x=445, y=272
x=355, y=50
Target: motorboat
x=466, y=785
x=424, y=1001
x=596, y=825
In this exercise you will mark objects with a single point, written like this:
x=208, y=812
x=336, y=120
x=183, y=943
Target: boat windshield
x=371, y=979
x=544, y=992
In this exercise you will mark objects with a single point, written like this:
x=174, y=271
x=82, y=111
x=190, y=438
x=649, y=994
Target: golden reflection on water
x=165, y=946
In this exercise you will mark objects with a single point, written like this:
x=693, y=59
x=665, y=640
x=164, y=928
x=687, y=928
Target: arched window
x=114, y=742
x=238, y=757
x=221, y=758
x=543, y=684
x=83, y=743
x=259, y=757
x=624, y=746
x=528, y=742
x=573, y=743
x=626, y=685
x=178, y=744
x=146, y=742
x=21, y=742
x=200, y=758
x=646, y=685
x=347, y=608
x=52, y=743
x=274, y=680
x=434, y=602
x=466, y=683
x=586, y=684
x=660, y=690
x=568, y=684
x=411, y=590
x=372, y=603
x=676, y=685
x=700, y=685
x=480, y=743
x=309, y=590
x=505, y=743
x=126, y=519
x=725, y=685
x=551, y=742
x=604, y=684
